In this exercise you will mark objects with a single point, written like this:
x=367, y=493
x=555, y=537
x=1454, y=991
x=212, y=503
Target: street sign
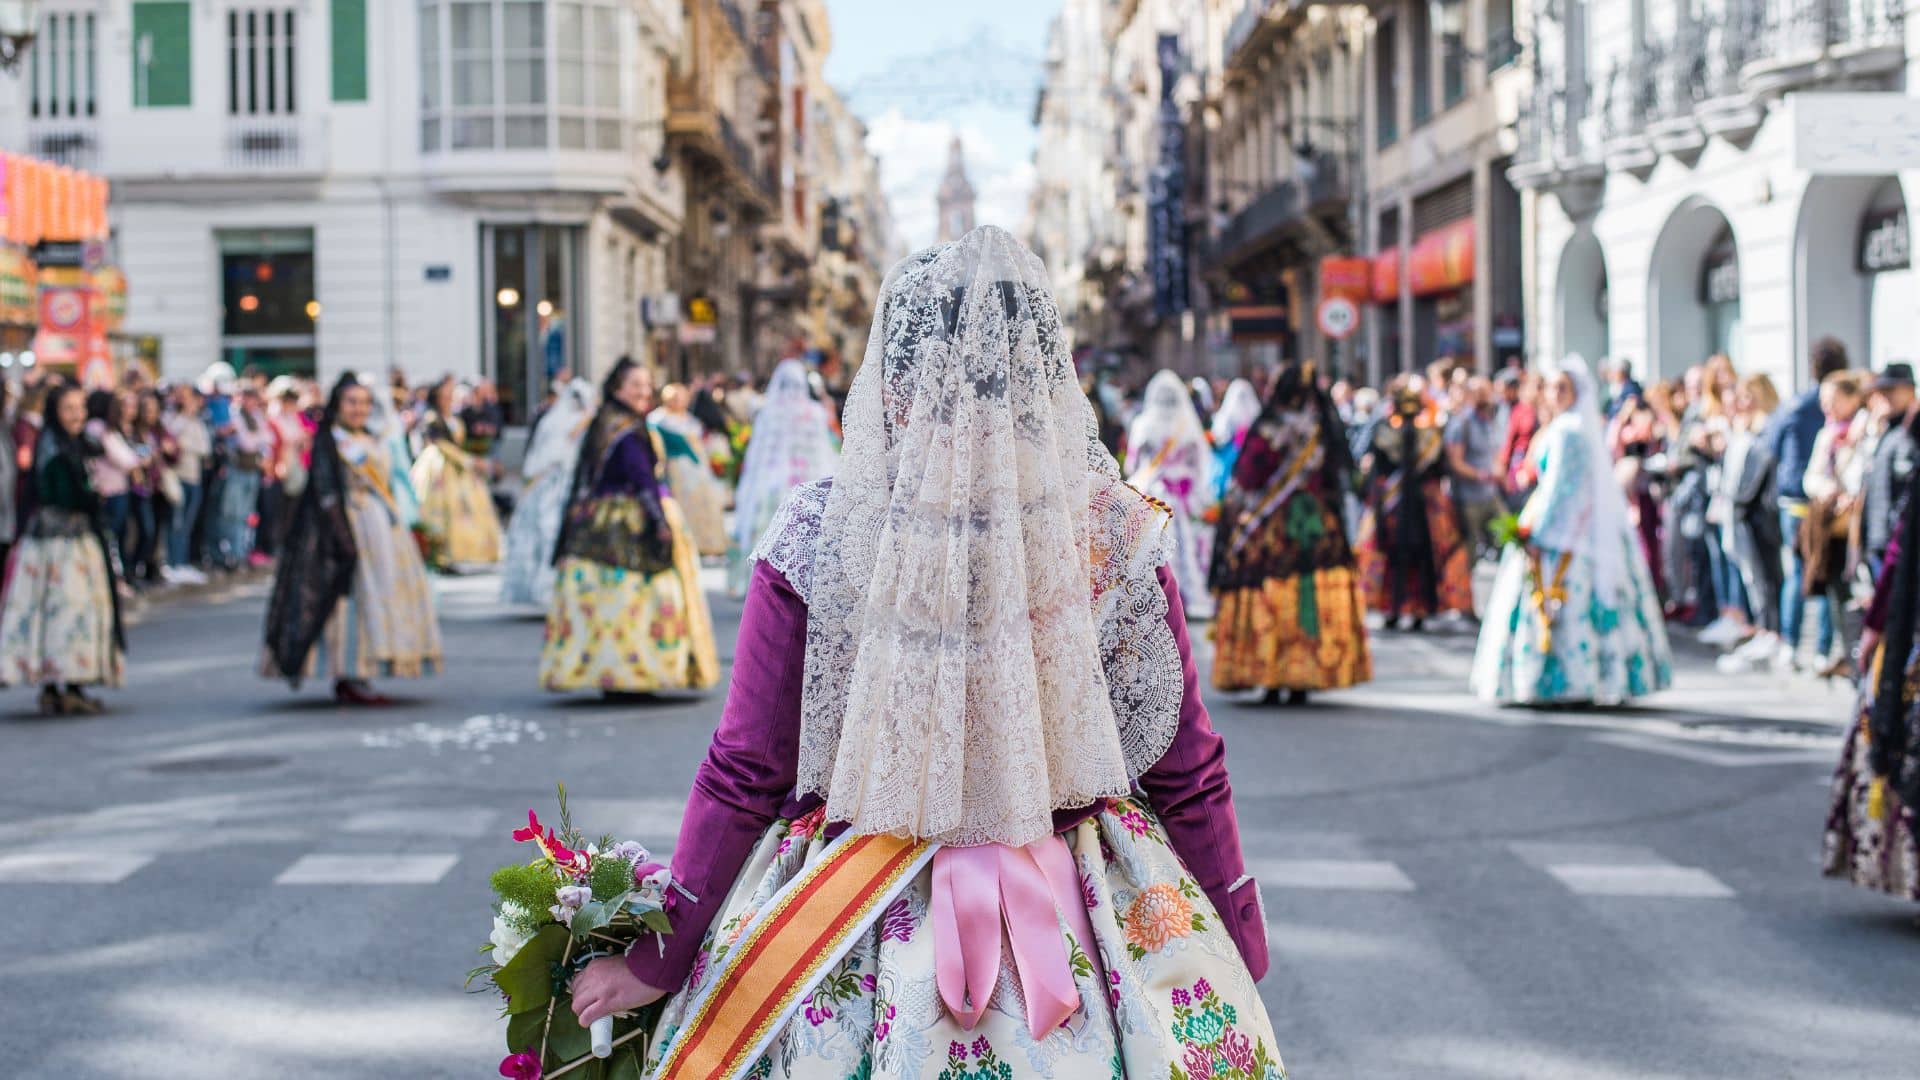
x=1869, y=134
x=439, y=273
x=1337, y=317
x=698, y=333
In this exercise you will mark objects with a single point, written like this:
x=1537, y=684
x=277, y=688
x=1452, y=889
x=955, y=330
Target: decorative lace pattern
x=791, y=535
x=976, y=573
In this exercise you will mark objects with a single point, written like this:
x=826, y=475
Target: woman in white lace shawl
x=1169, y=458
x=791, y=444
x=526, y=574
x=965, y=653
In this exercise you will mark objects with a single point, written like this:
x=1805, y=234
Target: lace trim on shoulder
x=788, y=543
x=1131, y=541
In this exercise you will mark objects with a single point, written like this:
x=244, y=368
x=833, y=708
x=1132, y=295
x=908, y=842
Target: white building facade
x=1672, y=222
x=475, y=187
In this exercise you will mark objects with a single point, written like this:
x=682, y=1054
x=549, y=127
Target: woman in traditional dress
x=1239, y=408
x=1872, y=835
x=1413, y=562
x=456, y=507
x=526, y=576
x=351, y=595
x=1292, y=616
x=791, y=444
x=932, y=717
x=1574, y=617
x=689, y=470
x=60, y=622
x=1169, y=459
x=628, y=615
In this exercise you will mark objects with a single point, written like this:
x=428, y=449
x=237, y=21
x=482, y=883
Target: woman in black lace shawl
x=351, y=584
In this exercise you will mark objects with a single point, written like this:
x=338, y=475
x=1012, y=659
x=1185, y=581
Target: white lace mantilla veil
x=1603, y=531
x=1237, y=412
x=1167, y=415
x=986, y=634
x=555, y=442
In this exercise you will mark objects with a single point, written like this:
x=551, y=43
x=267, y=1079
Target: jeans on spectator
x=233, y=521
x=180, y=537
x=118, y=509
x=147, y=545
x=1793, y=606
x=1729, y=591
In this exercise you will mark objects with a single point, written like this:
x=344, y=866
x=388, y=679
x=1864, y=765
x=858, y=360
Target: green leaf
x=566, y=1039
x=523, y=1031
x=593, y=915
x=527, y=980
x=657, y=922
x=625, y=1064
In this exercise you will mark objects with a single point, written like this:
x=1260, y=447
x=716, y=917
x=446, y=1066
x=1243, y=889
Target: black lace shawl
x=587, y=531
x=1246, y=553
x=317, y=559
x=1894, y=750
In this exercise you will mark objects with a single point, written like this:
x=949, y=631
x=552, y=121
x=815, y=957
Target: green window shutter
x=163, y=35
x=349, y=50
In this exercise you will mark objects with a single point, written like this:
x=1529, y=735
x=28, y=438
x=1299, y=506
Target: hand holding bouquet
x=574, y=903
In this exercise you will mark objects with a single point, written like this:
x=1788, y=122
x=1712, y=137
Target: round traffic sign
x=1338, y=317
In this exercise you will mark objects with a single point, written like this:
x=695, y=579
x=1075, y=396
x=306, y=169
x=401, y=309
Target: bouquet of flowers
x=433, y=546
x=573, y=902
x=1507, y=531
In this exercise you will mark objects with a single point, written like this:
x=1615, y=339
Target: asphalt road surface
x=225, y=878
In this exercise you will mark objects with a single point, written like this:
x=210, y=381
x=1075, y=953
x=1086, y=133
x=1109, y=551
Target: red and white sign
x=1338, y=317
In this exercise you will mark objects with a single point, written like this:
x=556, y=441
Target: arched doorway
x=1853, y=274
x=1693, y=291
x=1582, y=300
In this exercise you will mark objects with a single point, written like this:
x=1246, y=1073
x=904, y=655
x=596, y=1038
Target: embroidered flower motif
x=1157, y=916
x=883, y=1023
x=1180, y=997
x=1210, y=1047
x=1136, y=823
x=1087, y=893
x=897, y=924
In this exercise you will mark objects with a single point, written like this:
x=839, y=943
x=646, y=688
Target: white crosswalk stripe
x=1621, y=870
x=69, y=867
x=1359, y=875
x=392, y=869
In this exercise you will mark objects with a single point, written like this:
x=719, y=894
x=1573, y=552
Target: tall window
x=520, y=75
x=1420, y=45
x=62, y=71
x=1386, y=82
x=260, y=62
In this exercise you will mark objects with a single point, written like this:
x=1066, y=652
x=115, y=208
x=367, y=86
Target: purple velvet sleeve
x=630, y=467
x=746, y=779
x=1189, y=789
x=1876, y=620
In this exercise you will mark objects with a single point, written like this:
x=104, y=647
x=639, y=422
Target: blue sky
x=918, y=72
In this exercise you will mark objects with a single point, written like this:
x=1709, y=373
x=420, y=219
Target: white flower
x=654, y=886
x=630, y=850
x=507, y=940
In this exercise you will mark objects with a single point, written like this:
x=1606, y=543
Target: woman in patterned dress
x=1574, y=617
x=1169, y=459
x=526, y=575
x=1292, y=616
x=60, y=622
x=1872, y=836
x=456, y=506
x=627, y=615
x=927, y=615
x=1412, y=560
x=350, y=594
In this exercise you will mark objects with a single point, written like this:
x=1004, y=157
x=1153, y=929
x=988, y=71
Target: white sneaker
x=1785, y=659
x=1720, y=632
x=185, y=575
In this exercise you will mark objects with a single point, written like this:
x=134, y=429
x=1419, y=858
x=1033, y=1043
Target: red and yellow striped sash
x=787, y=949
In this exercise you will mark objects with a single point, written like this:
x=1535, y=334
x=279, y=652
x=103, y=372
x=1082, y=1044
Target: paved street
x=225, y=879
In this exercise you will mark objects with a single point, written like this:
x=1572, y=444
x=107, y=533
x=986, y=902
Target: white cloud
x=913, y=159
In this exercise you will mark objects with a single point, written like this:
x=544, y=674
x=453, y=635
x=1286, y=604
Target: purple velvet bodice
x=747, y=782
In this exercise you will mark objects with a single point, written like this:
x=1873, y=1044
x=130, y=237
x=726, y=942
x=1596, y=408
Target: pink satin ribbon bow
x=1029, y=890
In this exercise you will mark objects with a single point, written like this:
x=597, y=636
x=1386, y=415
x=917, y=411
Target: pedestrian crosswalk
x=422, y=846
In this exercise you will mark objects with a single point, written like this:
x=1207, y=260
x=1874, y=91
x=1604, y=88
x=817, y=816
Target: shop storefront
x=1720, y=296
x=60, y=301
x=531, y=294
x=1885, y=264
x=1440, y=276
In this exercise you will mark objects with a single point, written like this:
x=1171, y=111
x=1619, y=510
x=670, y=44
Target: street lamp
x=19, y=25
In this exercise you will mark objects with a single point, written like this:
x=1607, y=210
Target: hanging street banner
x=1167, y=194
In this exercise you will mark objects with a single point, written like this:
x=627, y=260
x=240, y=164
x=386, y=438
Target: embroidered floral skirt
x=620, y=630
x=56, y=625
x=456, y=509
x=1297, y=633
x=1873, y=846
x=1598, y=650
x=1175, y=1001
x=1451, y=572
x=704, y=502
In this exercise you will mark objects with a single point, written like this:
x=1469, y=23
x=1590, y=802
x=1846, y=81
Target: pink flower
x=1135, y=822
x=1091, y=898
x=533, y=831
x=1199, y=1060
x=1202, y=988
x=1180, y=997
x=957, y=1051
x=868, y=983
x=885, y=1025
x=521, y=1066
x=1238, y=1049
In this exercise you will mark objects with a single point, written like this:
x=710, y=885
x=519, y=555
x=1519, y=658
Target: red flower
x=522, y=1066
x=531, y=832
x=549, y=843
